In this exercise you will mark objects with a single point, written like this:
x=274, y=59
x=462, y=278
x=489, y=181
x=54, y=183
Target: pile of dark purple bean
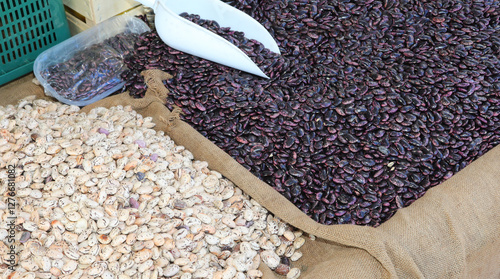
x=370, y=104
x=92, y=71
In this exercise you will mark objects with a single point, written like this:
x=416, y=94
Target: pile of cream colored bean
x=103, y=195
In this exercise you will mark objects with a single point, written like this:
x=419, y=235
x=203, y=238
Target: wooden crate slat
x=96, y=11
x=76, y=25
x=82, y=7
x=104, y=9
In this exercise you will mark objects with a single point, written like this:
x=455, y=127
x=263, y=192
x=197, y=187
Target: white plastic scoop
x=188, y=37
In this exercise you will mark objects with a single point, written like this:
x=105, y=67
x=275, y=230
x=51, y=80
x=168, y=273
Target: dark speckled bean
x=370, y=104
x=91, y=71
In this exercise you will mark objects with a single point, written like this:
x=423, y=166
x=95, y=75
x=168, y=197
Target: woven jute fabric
x=453, y=231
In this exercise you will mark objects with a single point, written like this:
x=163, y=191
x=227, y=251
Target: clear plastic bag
x=87, y=67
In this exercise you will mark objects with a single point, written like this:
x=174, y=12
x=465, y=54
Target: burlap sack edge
x=343, y=235
x=377, y=242
x=205, y=150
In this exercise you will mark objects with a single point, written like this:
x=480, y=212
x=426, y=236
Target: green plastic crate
x=27, y=28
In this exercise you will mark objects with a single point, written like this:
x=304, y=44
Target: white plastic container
x=87, y=67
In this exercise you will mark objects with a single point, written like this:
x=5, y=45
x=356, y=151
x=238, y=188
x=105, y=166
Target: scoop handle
x=184, y=35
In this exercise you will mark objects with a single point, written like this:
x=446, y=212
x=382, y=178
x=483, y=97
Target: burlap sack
x=453, y=231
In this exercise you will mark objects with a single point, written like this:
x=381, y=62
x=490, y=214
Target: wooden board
x=96, y=11
x=78, y=24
